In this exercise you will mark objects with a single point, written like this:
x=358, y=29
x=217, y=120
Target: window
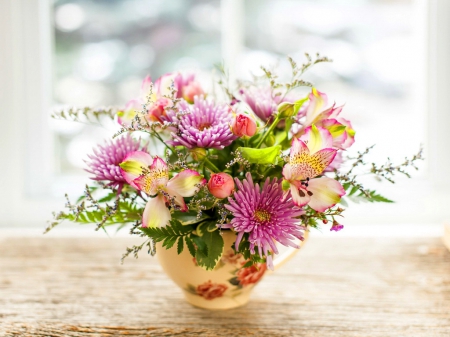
x=104, y=53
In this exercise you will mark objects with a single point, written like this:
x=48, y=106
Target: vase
x=228, y=286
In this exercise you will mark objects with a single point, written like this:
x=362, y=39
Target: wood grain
x=334, y=287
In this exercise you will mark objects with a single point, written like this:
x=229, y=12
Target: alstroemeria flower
x=309, y=157
x=321, y=114
x=151, y=175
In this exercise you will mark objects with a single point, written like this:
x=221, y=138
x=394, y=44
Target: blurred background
x=96, y=53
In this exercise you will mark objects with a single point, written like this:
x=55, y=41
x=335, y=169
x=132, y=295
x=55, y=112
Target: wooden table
x=333, y=287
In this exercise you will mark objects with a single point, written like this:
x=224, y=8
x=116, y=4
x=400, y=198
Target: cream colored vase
x=227, y=286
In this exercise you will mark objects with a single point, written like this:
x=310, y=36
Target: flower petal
x=317, y=103
x=153, y=180
x=185, y=183
x=304, y=165
x=179, y=200
x=164, y=83
x=300, y=196
x=326, y=193
x=337, y=131
x=125, y=117
x=146, y=89
x=287, y=172
x=156, y=214
x=317, y=138
x=133, y=164
x=331, y=112
x=349, y=131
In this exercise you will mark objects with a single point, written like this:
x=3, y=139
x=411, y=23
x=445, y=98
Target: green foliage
x=268, y=155
x=126, y=212
x=169, y=234
x=208, y=258
x=368, y=196
x=189, y=218
x=207, y=248
x=356, y=193
x=244, y=249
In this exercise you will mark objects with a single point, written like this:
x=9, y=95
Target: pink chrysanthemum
x=205, y=125
x=104, y=163
x=263, y=214
x=262, y=101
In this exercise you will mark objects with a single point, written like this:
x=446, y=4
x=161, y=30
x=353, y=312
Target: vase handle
x=289, y=254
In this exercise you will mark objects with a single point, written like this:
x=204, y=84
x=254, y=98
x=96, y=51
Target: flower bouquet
x=222, y=178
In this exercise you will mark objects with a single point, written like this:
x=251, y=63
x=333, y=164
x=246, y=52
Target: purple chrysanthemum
x=262, y=101
x=265, y=216
x=205, y=125
x=104, y=163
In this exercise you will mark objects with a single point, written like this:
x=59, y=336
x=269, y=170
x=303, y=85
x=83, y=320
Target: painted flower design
x=231, y=257
x=210, y=291
x=309, y=157
x=205, y=125
x=251, y=275
x=261, y=213
x=151, y=176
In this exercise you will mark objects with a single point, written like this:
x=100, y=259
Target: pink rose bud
x=191, y=90
x=221, y=185
x=243, y=125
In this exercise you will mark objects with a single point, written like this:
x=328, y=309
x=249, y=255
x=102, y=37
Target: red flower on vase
x=210, y=291
x=230, y=257
x=251, y=275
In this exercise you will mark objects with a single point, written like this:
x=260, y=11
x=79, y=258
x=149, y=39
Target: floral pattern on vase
x=242, y=277
x=249, y=275
x=209, y=290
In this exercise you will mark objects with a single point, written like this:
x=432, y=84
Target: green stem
x=162, y=141
x=274, y=124
x=211, y=166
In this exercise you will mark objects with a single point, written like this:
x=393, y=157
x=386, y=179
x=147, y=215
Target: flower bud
x=286, y=109
x=336, y=226
x=243, y=125
x=191, y=90
x=221, y=185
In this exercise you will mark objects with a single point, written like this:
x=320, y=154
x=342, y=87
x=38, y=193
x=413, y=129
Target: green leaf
x=189, y=218
x=248, y=264
x=212, y=226
x=354, y=190
x=109, y=197
x=190, y=245
x=169, y=242
x=343, y=202
x=214, y=243
x=268, y=155
x=168, y=234
x=280, y=137
x=201, y=245
x=180, y=245
x=234, y=281
x=191, y=289
x=378, y=198
x=202, y=228
x=371, y=196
